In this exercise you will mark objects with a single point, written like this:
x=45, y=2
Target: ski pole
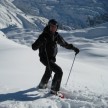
x=71, y=69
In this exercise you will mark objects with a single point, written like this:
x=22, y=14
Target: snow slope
x=21, y=71
x=12, y=17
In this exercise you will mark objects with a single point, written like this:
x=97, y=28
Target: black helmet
x=53, y=21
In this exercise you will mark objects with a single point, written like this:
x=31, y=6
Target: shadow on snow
x=22, y=96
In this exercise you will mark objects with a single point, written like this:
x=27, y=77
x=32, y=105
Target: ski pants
x=52, y=66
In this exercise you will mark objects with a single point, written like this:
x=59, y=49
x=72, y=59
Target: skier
x=47, y=44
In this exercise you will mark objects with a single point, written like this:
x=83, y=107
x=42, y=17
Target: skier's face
x=53, y=28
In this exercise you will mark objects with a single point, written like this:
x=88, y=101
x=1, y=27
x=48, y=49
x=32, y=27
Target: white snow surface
x=21, y=71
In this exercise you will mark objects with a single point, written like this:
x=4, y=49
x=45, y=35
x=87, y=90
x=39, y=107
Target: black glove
x=76, y=50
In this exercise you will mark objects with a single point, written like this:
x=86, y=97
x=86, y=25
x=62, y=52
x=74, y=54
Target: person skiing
x=47, y=45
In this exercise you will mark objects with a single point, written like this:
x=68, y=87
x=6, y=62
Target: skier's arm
x=63, y=43
x=38, y=42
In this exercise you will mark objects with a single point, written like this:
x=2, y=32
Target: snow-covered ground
x=21, y=71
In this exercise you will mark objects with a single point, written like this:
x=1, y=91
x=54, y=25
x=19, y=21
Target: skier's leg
x=46, y=76
x=58, y=74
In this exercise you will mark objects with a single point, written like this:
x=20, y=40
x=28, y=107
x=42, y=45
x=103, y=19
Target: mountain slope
x=70, y=13
x=34, y=14
x=12, y=17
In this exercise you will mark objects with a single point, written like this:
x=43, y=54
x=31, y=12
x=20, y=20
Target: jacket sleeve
x=63, y=43
x=38, y=42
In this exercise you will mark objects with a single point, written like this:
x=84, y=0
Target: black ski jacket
x=47, y=44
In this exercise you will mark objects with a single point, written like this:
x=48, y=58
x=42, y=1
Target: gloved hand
x=76, y=50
